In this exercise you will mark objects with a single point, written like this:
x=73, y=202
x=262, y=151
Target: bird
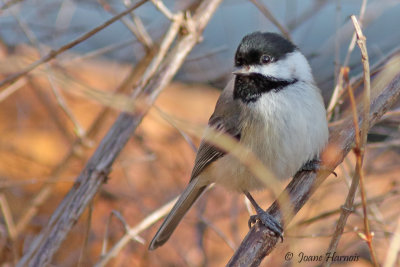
x=273, y=107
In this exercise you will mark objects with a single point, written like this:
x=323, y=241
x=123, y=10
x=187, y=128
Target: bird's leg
x=314, y=166
x=264, y=217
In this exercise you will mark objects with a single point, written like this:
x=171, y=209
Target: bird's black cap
x=256, y=44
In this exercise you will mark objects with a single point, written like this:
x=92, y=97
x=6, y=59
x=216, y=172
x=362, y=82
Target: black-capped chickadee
x=272, y=107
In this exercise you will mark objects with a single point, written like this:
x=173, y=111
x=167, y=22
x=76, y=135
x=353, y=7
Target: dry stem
x=337, y=92
x=361, y=41
x=10, y=226
x=131, y=233
x=360, y=142
x=394, y=247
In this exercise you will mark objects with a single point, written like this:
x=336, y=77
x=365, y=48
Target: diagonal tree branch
x=259, y=243
x=97, y=169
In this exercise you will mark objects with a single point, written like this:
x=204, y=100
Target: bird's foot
x=311, y=166
x=269, y=221
x=314, y=166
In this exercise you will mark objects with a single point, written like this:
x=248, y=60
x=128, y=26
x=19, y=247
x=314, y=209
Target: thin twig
x=219, y=233
x=52, y=110
x=306, y=15
x=5, y=210
x=361, y=41
x=8, y=4
x=12, y=89
x=163, y=9
x=140, y=26
x=348, y=207
x=162, y=51
x=385, y=144
x=78, y=129
x=141, y=36
x=271, y=18
x=327, y=214
x=127, y=228
x=95, y=53
x=391, y=113
x=338, y=91
x=119, y=216
x=394, y=247
x=84, y=248
x=54, y=53
x=185, y=136
x=134, y=231
x=209, y=53
x=10, y=226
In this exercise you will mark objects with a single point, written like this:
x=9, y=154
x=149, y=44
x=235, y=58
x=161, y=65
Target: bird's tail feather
x=182, y=205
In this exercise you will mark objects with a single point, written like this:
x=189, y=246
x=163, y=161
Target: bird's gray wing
x=226, y=119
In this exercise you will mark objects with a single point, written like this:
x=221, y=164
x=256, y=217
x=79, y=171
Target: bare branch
x=8, y=219
x=163, y=9
x=8, y=4
x=219, y=233
x=5, y=210
x=337, y=92
x=327, y=214
x=141, y=34
x=84, y=248
x=133, y=232
x=11, y=89
x=271, y=18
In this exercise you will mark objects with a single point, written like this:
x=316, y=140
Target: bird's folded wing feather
x=226, y=119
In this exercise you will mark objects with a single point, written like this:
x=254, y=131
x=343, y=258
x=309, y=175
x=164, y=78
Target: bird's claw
x=314, y=166
x=252, y=220
x=269, y=221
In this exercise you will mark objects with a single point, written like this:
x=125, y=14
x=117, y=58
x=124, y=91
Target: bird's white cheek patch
x=275, y=70
x=293, y=66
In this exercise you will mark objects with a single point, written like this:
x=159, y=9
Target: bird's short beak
x=242, y=71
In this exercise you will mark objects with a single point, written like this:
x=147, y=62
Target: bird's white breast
x=283, y=129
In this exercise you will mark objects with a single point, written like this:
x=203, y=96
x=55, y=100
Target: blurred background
x=53, y=118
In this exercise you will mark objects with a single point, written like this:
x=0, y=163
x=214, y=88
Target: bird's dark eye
x=265, y=59
x=239, y=62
